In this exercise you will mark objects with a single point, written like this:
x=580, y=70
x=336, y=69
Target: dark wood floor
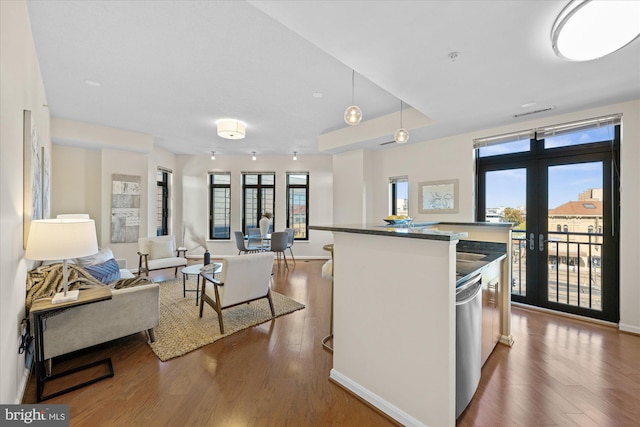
x=560, y=372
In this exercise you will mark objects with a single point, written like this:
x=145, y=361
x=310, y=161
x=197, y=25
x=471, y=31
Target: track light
x=295, y=155
x=254, y=156
x=213, y=155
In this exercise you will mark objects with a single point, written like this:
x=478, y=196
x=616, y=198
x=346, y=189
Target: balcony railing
x=574, y=272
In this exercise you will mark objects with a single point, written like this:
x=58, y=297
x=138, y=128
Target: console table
x=43, y=308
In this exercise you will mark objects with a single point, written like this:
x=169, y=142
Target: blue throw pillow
x=106, y=272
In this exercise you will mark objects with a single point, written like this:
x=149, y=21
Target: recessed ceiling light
x=93, y=83
x=317, y=94
x=528, y=104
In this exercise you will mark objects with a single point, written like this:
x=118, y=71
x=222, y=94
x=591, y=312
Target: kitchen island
x=395, y=318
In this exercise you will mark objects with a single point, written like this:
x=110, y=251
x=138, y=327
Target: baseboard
x=629, y=328
x=22, y=388
x=375, y=401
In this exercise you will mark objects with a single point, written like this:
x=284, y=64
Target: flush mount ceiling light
x=353, y=114
x=402, y=135
x=591, y=29
x=231, y=129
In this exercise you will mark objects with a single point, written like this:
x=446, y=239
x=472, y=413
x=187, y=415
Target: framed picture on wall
x=438, y=196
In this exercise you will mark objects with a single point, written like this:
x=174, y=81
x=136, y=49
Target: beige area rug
x=182, y=331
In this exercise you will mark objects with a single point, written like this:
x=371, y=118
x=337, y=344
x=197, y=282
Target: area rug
x=182, y=331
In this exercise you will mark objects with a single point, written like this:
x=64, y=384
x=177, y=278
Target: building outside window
x=399, y=195
x=298, y=204
x=258, y=197
x=219, y=205
x=163, y=177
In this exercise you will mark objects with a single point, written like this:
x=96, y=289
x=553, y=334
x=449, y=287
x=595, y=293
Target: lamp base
x=60, y=297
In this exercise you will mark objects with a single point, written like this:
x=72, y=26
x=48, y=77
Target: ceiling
x=172, y=68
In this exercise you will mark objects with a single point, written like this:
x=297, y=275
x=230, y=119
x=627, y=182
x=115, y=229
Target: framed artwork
x=438, y=196
x=125, y=208
x=33, y=175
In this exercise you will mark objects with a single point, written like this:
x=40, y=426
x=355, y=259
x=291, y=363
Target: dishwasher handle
x=469, y=290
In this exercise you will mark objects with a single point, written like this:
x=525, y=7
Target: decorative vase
x=207, y=257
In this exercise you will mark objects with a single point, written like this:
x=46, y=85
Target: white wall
x=21, y=89
x=453, y=158
x=193, y=171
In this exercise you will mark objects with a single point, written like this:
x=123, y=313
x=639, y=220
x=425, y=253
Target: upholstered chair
x=243, y=279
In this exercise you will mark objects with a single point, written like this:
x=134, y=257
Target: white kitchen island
x=395, y=320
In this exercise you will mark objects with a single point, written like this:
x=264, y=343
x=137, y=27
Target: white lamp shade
x=231, y=129
x=60, y=239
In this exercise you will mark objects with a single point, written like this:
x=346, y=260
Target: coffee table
x=195, y=270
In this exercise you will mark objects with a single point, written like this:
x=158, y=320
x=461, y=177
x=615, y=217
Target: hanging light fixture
x=402, y=135
x=254, y=156
x=231, y=129
x=295, y=155
x=353, y=114
x=213, y=155
x=591, y=29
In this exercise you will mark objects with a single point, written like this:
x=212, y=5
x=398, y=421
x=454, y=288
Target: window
x=399, y=196
x=559, y=228
x=162, y=216
x=219, y=205
x=590, y=229
x=258, y=197
x=565, y=228
x=298, y=204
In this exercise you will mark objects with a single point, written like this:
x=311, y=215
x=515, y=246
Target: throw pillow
x=106, y=272
x=100, y=257
x=161, y=249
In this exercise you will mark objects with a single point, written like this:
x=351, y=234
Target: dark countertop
x=467, y=268
x=393, y=231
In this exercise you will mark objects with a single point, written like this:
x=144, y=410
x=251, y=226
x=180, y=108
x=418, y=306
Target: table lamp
x=61, y=239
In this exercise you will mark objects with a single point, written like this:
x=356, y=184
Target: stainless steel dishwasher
x=468, y=340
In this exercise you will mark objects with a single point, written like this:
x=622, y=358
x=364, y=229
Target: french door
x=563, y=200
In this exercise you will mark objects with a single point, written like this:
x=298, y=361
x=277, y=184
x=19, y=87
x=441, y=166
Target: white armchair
x=243, y=279
x=158, y=253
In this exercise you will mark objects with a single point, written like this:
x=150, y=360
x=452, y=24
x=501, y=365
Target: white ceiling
x=172, y=68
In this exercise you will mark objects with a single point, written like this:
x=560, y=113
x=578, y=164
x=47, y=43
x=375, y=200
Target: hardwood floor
x=559, y=372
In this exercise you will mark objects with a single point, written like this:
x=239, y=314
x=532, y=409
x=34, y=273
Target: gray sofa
x=130, y=310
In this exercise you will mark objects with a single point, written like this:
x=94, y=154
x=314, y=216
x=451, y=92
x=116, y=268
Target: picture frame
x=438, y=196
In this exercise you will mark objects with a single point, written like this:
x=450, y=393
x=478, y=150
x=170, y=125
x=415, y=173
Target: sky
x=508, y=188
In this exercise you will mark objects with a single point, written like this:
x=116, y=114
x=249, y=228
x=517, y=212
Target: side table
x=42, y=308
x=195, y=270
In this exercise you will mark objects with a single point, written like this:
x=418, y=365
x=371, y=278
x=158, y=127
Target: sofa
x=134, y=306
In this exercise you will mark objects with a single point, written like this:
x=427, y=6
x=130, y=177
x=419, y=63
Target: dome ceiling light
x=591, y=29
x=231, y=129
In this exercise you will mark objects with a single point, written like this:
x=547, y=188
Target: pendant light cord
x=353, y=86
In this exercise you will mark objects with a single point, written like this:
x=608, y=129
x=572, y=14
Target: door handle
x=532, y=241
x=541, y=242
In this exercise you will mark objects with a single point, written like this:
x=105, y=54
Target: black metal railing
x=574, y=268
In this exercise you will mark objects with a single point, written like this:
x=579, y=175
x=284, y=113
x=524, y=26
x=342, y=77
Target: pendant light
x=353, y=114
x=402, y=135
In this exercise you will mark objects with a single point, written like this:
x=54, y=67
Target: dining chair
x=290, y=239
x=279, y=245
x=241, y=246
x=254, y=238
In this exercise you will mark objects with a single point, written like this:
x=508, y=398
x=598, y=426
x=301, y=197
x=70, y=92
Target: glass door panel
x=575, y=234
x=506, y=201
